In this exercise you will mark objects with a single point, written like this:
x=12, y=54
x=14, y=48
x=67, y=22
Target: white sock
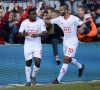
x=28, y=72
x=62, y=71
x=35, y=70
x=76, y=63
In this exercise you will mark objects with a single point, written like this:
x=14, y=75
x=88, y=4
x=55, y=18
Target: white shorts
x=70, y=49
x=37, y=53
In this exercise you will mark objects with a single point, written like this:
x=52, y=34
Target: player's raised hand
x=10, y=8
x=34, y=35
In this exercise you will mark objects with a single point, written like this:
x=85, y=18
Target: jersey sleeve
x=43, y=27
x=78, y=21
x=54, y=21
x=22, y=27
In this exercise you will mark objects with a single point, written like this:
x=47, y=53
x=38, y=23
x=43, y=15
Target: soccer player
x=33, y=29
x=68, y=23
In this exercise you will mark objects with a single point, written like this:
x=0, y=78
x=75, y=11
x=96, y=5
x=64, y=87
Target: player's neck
x=66, y=16
x=32, y=20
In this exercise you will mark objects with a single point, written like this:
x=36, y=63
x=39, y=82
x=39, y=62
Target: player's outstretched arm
x=84, y=28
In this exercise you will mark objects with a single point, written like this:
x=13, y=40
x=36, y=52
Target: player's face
x=62, y=11
x=32, y=15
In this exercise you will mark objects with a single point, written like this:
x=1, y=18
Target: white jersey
x=32, y=44
x=69, y=27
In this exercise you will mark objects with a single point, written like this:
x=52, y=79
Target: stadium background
x=52, y=3
x=92, y=4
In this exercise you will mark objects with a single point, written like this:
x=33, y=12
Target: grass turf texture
x=69, y=86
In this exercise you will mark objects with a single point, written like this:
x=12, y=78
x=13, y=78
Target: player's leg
x=28, y=58
x=69, y=52
x=64, y=68
x=76, y=63
x=67, y=60
x=55, y=49
x=79, y=65
x=72, y=49
x=36, y=67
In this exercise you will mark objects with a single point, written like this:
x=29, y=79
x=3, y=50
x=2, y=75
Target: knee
x=67, y=59
x=37, y=63
x=28, y=63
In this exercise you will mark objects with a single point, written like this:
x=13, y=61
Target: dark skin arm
x=22, y=34
x=42, y=34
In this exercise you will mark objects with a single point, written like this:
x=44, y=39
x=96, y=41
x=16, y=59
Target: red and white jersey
x=36, y=27
x=69, y=27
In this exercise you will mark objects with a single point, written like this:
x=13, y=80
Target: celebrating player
x=33, y=29
x=68, y=23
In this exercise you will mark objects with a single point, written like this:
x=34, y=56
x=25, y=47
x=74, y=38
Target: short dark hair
x=84, y=8
x=65, y=6
x=32, y=9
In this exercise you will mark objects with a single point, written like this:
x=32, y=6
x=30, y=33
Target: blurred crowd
x=11, y=19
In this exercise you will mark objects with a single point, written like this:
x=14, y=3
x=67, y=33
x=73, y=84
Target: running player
x=68, y=23
x=33, y=29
